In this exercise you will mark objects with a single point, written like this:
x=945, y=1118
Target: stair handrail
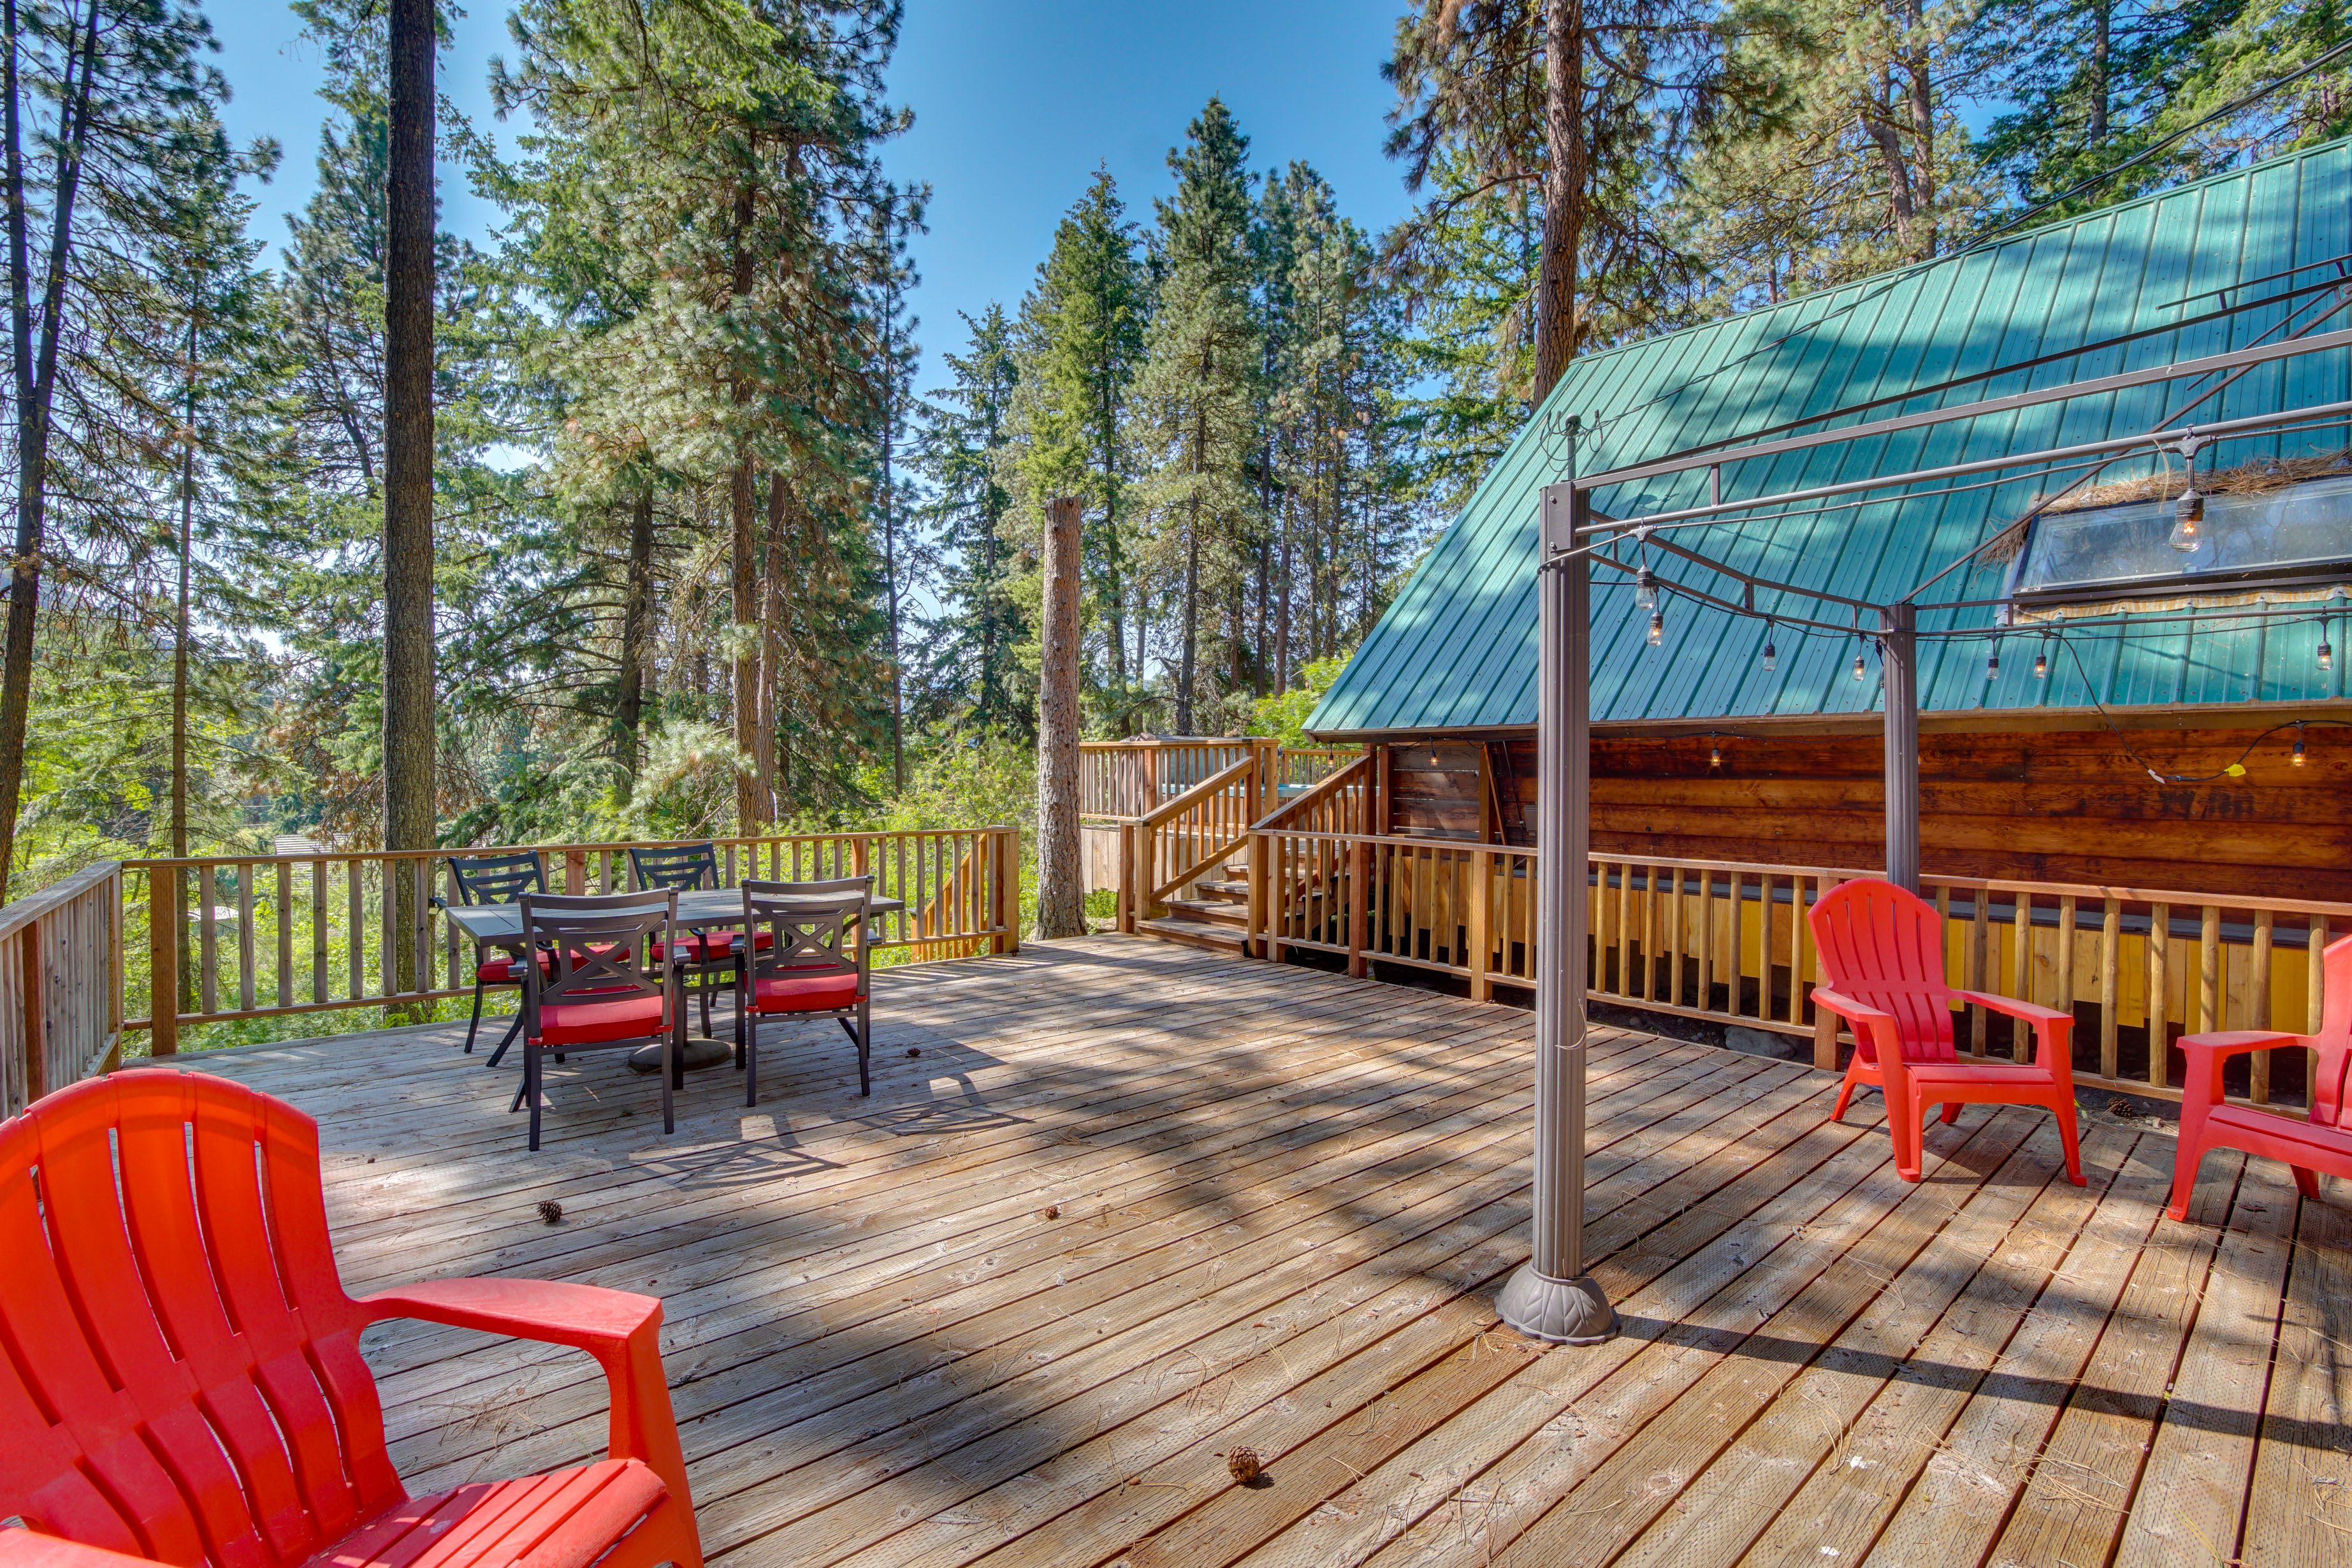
x=1280, y=817
x=1147, y=826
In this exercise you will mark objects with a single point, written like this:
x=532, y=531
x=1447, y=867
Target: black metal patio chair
x=494, y=879
x=597, y=987
x=709, y=956
x=812, y=964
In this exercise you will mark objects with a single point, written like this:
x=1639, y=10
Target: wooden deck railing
x=1728, y=942
x=1134, y=778
x=60, y=985
x=1128, y=779
x=259, y=936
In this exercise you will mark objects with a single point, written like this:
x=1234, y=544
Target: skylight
x=2301, y=530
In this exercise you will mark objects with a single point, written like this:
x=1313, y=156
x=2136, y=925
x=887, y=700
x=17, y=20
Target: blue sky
x=1015, y=104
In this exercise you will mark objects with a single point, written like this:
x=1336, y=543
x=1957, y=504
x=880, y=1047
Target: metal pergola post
x=1898, y=646
x=1551, y=1297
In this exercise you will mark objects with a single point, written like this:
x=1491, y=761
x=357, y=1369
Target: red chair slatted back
x=2332, y=1080
x=1884, y=948
x=180, y=1375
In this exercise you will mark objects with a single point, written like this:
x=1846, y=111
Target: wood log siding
x=275, y=935
x=2055, y=807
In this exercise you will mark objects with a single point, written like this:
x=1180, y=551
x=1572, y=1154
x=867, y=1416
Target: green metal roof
x=1457, y=648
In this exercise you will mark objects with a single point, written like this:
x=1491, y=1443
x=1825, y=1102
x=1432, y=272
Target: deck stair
x=1214, y=915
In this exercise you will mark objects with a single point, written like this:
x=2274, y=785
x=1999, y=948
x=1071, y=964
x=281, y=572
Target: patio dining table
x=500, y=925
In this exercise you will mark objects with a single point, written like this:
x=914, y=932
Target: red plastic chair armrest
x=2032, y=1012
x=2201, y=1084
x=29, y=1549
x=2054, y=1029
x=1852, y=1011
x=1887, y=1042
x=620, y=1329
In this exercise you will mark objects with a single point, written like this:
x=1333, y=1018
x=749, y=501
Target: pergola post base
x=1560, y=1311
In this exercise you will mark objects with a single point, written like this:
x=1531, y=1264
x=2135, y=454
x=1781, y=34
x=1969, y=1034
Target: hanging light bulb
x=1860, y=671
x=1771, y=655
x=1992, y=663
x=2040, y=666
x=2327, y=653
x=2296, y=757
x=1715, y=752
x=1657, y=627
x=2189, y=520
x=1645, y=590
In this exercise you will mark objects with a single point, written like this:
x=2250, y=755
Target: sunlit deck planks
x=1134, y=1205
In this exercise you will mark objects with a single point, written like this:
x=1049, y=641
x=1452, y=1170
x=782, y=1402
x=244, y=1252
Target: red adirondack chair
x=180, y=1375
x=2321, y=1142
x=1882, y=950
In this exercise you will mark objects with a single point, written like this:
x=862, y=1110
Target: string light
x=1771, y=654
x=2189, y=512
x=2296, y=757
x=1992, y=663
x=1715, y=752
x=1645, y=590
x=1859, y=671
x=2041, y=665
x=2327, y=653
x=1657, y=627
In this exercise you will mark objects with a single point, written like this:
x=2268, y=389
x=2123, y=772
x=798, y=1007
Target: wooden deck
x=1135, y=1204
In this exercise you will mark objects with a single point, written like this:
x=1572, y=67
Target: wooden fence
x=260, y=936
x=1728, y=943
x=60, y=985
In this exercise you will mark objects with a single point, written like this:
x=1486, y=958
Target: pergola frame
x=1552, y=1296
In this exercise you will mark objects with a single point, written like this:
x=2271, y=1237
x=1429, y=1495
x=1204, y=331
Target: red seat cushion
x=502, y=971
x=566, y=1519
x=817, y=994
x=711, y=947
x=585, y=1023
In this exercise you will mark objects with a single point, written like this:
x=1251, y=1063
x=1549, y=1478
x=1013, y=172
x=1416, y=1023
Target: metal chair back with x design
x=598, y=987
x=494, y=879
x=804, y=952
x=708, y=955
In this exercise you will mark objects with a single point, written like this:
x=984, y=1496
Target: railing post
x=35, y=1013
x=1825, y=1024
x=1126, y=877
x=163, y=961
x=1359, y=876
x=1008, y=890
x=1254, y=939
x=1482, y=895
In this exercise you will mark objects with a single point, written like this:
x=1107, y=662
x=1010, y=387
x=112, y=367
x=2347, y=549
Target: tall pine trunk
x=1564, y=188
x=637, y=639
x=1192, y=619
x=408, y=716
x=34, y=379
x=181, y=629
x=1061, y=892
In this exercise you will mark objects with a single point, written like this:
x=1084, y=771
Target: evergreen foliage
x=705, y=561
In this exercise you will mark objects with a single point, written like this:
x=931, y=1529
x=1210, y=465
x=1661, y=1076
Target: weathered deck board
x=1134, y=1205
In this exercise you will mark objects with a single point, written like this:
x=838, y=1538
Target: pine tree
x=111, y=139
x=1587, y=106
x=973, y=681
x=728, y=154
x=1195, y=398
x=2095, y=83
x=1082, y=331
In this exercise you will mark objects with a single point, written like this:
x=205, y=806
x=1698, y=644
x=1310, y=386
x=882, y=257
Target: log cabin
x=2097, y=708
